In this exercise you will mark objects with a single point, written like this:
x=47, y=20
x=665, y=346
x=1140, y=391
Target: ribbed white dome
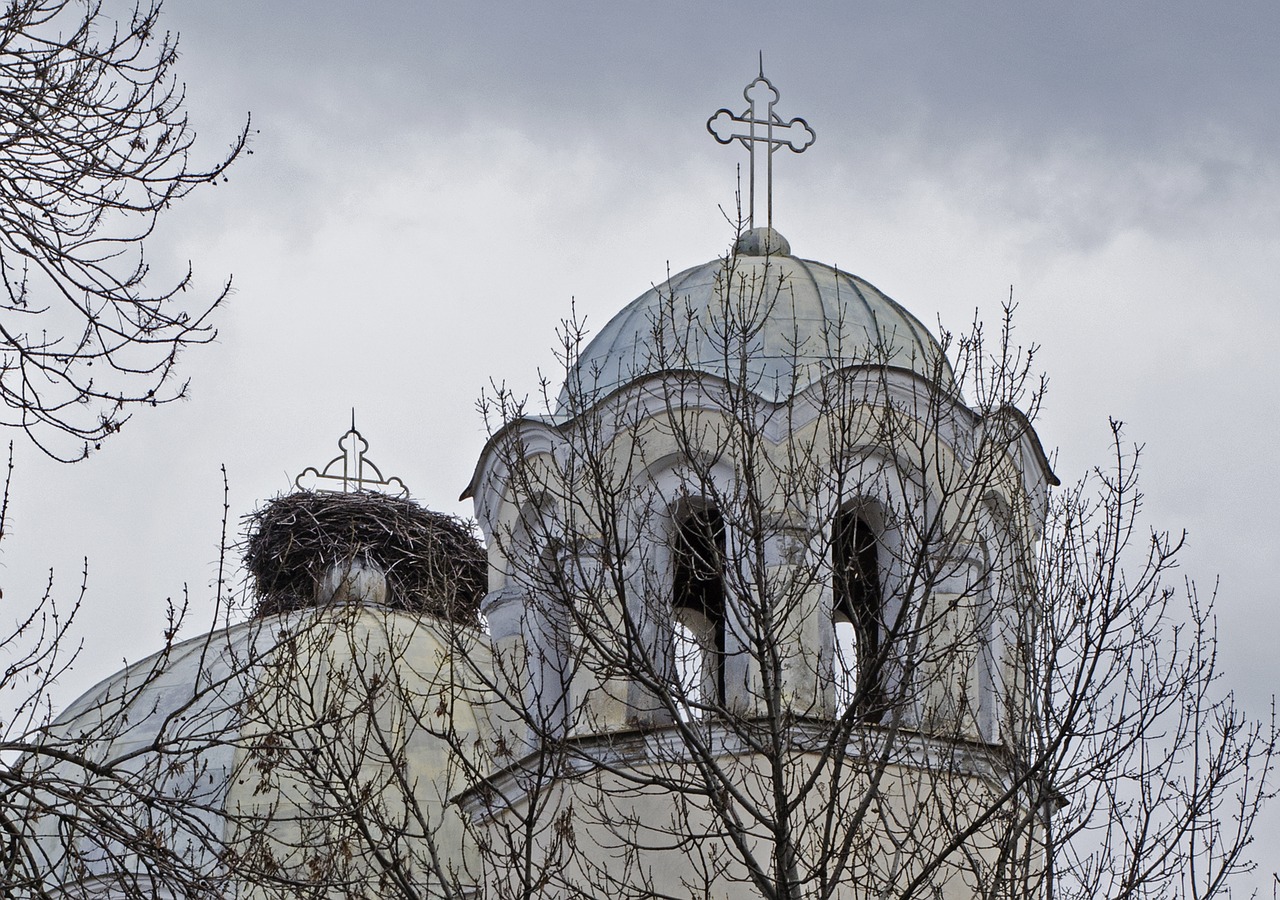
x=792, y=320
x=227, y=729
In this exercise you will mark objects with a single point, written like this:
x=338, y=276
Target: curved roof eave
x=558, y=424
x=1033, y=439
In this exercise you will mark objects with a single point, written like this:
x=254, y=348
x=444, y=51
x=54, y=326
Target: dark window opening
x=858, y=617
x=698, y=605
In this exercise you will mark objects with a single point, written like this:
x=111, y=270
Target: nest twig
x=433, y=562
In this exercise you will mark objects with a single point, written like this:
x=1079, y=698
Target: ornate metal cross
x=352, y=471
x=759, y=124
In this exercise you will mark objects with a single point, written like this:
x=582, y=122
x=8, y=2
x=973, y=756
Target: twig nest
x=314, y=547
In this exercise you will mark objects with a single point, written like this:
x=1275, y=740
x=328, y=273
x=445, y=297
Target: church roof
x=761, y=317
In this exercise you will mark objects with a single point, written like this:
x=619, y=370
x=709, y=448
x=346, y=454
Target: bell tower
x=764, y=550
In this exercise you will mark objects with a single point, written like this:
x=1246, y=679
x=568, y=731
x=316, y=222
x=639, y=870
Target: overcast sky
x=431, y=187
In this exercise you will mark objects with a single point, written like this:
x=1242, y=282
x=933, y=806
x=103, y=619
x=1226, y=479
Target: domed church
x=748, y=614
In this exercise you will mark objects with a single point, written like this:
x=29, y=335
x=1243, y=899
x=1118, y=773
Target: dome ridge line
x=674, y=284
x=857, y=291
x=919, y=333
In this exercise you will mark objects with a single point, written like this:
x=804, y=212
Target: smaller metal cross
x=759, y=124
x=352, y=471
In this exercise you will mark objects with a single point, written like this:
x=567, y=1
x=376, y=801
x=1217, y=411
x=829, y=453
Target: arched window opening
x=857, y=617
x=698, y=627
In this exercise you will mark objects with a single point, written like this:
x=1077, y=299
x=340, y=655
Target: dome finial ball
x=765, y=241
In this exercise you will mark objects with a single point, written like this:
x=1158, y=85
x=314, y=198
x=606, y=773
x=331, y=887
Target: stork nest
x=433, y=562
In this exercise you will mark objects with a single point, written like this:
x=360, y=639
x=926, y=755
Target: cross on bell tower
x=759, y=124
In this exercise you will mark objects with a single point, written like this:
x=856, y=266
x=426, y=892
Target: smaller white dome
x=226, y=729
x=782, y=320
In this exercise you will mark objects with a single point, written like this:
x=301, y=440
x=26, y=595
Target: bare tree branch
x=95, y=145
